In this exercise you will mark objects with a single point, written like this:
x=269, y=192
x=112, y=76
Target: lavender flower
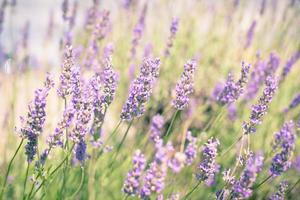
x=280, y=194
x=132, y=182
x=154, y=180
x=2, y=14
x=64, y=88
x=102, y=25
x=260, y=109
x=285, y=139
x=191, y=149
x=289, y=64
x=141, y=89
x=173, y=30
x=262, y=70
x=92, y=15
x=33, y=126
x=250, y=34
x=295, y=102
x=103, y=87
x=156, y=127
x=55, y=139
x=138, y=32
x=65, y=9
x=232, y=90
x=82, y=103
x=208, y=166
x=184, y=86
x=242, y=188
x=177, y=161
x=232, y=112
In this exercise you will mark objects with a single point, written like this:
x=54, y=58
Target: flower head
x=185, y=86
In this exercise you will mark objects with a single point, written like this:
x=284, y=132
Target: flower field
x=150, y=99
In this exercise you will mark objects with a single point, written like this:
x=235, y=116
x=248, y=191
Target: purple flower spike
x=250, y=35
x=285, y=140
x=295, y=102
x=280, y=194
x=64, y=88
x=233, y=90
x=173, y=30
x=185, y=86
x=242, y=188
x=289, y=64
x=141, y=89
x=33, y=126
x=132, y=182
x=260, y=109
x=191, y=149
x=208, y=166
x=156, y=127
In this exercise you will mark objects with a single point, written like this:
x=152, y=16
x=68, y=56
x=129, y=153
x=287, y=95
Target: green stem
x=25, y=180
x=121, y=144
x=213, y=120
x=9, y=168
x=261, y=183
x=80, y=185
x=191, y=192
x=293, y=187
x=172, y=122
x=232, y=145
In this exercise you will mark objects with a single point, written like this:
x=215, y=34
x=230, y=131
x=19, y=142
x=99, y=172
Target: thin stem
x=126, y=197
x=190, y=192
x=121, y=143
x=25, y=180
x=232, y=145
x=213, y=120
x=293, y=187
x=9, y=168
x=109, y=138
x=172, y=122
x=50, y=175
x=80, y=185
x=261, y=183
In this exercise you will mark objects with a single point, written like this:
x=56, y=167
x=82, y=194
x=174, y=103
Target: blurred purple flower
x=33, y=125
x=132, y=181
x=208, y=166
x=141, y=89
x=285, y=140
x=242, y=188
x=281, y=192
x=191, y=149
x=232, y=90
x=289, y=64
x=232, y=111
x=185, y=86
x=250, y=35
x=173, y=30
x=260, y=109
x=156, y=127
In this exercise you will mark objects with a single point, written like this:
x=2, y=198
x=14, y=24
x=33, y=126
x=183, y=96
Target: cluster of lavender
x=280, y=194
x=260, y=109
x=103, y=88
x=132, y=182
x=185, y=86
x=141, y=89
x=34, y=123
x=284, y=139
x=208, y=166
x=242, y=188
x=191, y=149
x=232, y=90
x=173, y=31
x=262, y=70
